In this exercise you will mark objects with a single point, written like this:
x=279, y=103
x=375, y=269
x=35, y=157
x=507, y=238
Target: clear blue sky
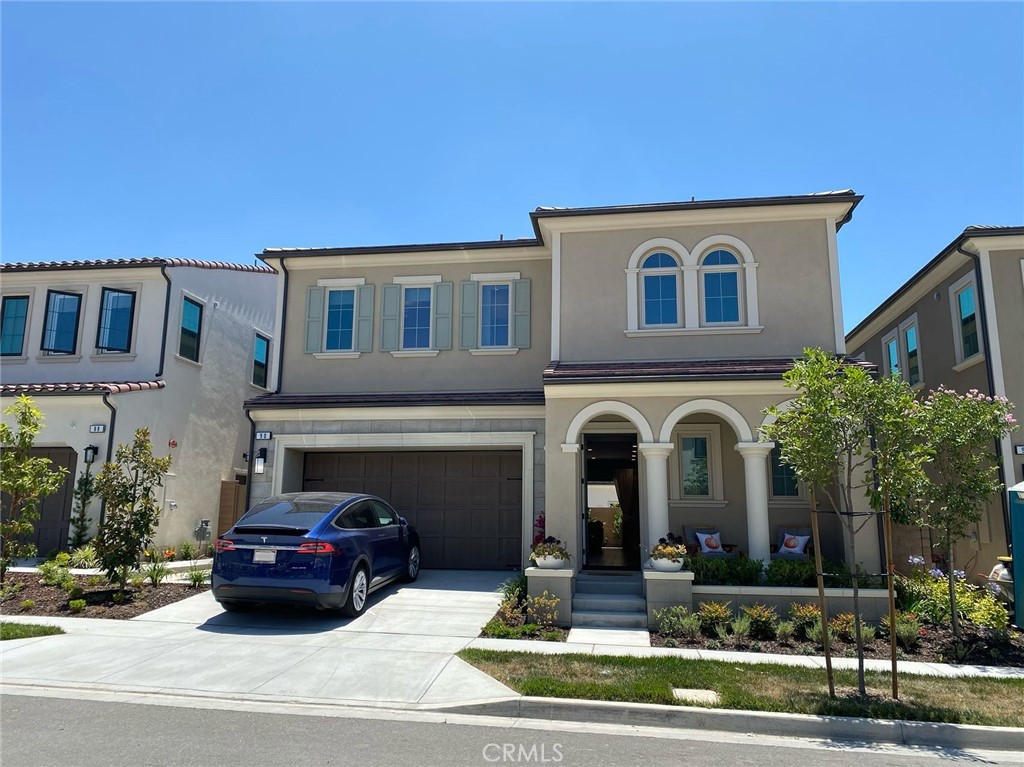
x=214, y=130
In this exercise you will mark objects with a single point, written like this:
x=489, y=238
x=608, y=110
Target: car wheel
x=233, y=607
x=412, y=565
x=358, y=592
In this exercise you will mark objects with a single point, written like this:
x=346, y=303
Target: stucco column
x=755, y=473
x=656, y=488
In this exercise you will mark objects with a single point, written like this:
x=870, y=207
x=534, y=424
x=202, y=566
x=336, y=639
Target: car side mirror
x=403, y=521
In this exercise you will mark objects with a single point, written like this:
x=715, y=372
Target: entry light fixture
x=259, y=463
x=89, y=454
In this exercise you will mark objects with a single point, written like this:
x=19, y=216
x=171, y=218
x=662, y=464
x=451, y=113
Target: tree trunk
x=954, y=613
x=822, y=602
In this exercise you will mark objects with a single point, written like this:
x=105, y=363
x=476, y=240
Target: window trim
x=22, y=352
x=955, y=290
x=266, y=365
x=509, y=317
x=328, y=289
x=78, y=322
x=104, y=290
x=737, y=269
x=660, y=271
x=199, y=333
x=716, y=484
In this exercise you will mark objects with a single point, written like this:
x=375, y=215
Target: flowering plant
x=670, y=547
x=550, y=547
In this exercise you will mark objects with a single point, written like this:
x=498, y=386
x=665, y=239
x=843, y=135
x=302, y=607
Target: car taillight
x=316, y=548
x=223, y=544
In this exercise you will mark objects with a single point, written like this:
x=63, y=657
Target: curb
x=900, y=732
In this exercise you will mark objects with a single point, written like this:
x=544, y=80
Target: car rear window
x=289, y=513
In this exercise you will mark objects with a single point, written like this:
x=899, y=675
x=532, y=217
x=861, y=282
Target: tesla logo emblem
x=264, y=539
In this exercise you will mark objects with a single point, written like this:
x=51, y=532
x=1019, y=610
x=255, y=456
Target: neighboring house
x=959, y=322
x=481, y=385
x=106, y=347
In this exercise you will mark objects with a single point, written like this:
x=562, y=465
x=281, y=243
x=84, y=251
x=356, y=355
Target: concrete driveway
x=399, y=652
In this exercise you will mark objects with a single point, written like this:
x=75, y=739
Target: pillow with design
x=710, y=543
x=794, y=544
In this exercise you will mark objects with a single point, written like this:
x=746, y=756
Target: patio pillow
x=793, y=544
x=710, y=543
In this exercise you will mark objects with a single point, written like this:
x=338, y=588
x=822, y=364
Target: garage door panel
x=379, y=487
x=457, y=522
x=510, y=492
x=484, y=524
x=485, y=493
x=486, y=465
x=430, y=493
x=457, y=494
x=432, y=464
x=350, y=464
x=510, y=522
x=403, y=494
x=378, y=465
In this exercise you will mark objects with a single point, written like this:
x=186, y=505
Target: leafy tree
x=127, y=486
x=961, y=431
x=24, y=481
x=85, y=489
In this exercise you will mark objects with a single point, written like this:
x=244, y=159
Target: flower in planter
x=550, y=547
x=169, y=553
x=670, y=547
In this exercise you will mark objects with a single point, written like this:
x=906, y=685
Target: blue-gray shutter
x=521, y=314
x=391, y=303
x=467, y=315
x=364, y=320
x=314, y=320
x=443, y=315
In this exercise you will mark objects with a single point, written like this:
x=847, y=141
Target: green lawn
x=25, y=630
x=761, y=687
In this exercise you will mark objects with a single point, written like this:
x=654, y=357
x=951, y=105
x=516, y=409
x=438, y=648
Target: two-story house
x=959, y=322
x=106, y=347
x=482, y=385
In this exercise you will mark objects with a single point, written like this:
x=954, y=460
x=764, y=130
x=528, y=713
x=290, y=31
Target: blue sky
x=212, y=131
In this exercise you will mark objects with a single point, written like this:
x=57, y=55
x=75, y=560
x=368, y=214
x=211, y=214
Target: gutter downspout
x=284, y=325
x=110, y=447
x=167, y=311
x=979, y=286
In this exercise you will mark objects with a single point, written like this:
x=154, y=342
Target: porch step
x=612, y=603
x=601, y=618
x=630, y=583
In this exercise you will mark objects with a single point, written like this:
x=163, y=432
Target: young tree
x=127, y=486
x=961, y=431
x=24, y=481
x=85, y=489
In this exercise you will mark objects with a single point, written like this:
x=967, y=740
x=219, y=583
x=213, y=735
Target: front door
x=611, y=500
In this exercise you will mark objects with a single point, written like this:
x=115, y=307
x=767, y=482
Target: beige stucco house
x=959, y=322
x=628, y=349
x=105, y=347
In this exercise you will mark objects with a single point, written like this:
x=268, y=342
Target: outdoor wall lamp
x=89, y=454
x=260, y=461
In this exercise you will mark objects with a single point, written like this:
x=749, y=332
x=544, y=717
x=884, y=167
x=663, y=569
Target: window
x=60, y=327
x=913, y=354
x=660, y=285
x=385, y=516
x=260, y=359
x=14, y=318
x=720, y=281
x=341, y=314
x=967, y=341
x=416, y=315
x=191, y=329
x=117, y=313
x=891, y=345
x=968, y=321
x=494, y=315
x=784, y=481
x=696, y=477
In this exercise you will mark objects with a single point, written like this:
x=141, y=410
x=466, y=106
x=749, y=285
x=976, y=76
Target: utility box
x=1016, y=494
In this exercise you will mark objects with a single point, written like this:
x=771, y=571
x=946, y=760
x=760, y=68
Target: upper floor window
x=339, y=317
x=720, y=282
x=901, y=352
x=416, y=316
x=784, y=480
x=494, y=313
x=260, y=360
x=891, y=345
x=117, y=313
x=191, y=329
x=14, y=311
x=913, y=354
x=661, y=286
x=60, y=326
x=341, y=320
x=416, y=320
x=966, y=333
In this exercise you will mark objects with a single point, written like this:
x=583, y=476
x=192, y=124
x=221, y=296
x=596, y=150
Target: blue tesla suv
x=327, y=550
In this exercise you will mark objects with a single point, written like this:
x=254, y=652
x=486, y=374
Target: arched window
x=661, y=291
x=720, y=288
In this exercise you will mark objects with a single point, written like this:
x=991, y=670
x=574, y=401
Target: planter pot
x=667, y=565
x=550, y=563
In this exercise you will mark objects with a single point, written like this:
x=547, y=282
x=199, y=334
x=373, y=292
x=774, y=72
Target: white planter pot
x=667, y=565
x=550, y=563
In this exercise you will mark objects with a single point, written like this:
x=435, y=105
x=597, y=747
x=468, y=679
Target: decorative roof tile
x=91, y=387
x=674, y=370
x=399, y=399
x=128, y=263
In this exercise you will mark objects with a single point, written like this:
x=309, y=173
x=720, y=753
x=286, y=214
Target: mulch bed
x=99, y=600
x=936, y=646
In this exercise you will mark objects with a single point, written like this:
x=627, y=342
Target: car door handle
x=382, y=535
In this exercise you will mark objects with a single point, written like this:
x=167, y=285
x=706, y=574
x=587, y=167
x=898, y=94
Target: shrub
x=908, y=631
x=54, y=573
x=791, y=572
x=927, y=594
x=498, y=630
x=740, y=626
x=137, y=580
x=813, y=632
x=804, y=614
x=169, y=554
x=119, y=597
x=27, y=604
x=156, y=572
x=84, y=557
x=515, y=589
x=784, y=631
x=722, y=632
x=75, y=593
x=725, y=571
x=762, y=620
x=95, y=581
x=542, y=609
x=510, y=612
x=678, y=621
x=842, y=626
x=76, y=605
x=713, y=614
x=551, y=636
x=187, y=550
x=197, y=577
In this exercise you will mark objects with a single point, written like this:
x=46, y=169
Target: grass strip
x=26, y=630
x=756, y=687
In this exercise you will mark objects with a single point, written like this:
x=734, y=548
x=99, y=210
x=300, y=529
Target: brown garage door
x=466, y=505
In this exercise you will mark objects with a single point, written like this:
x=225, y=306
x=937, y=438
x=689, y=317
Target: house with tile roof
x=491, y=390
x=959, y=322
x=105, y=347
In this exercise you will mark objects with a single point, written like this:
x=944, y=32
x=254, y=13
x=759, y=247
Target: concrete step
x=601, y=618
x=609, y=584
x=613, y=603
